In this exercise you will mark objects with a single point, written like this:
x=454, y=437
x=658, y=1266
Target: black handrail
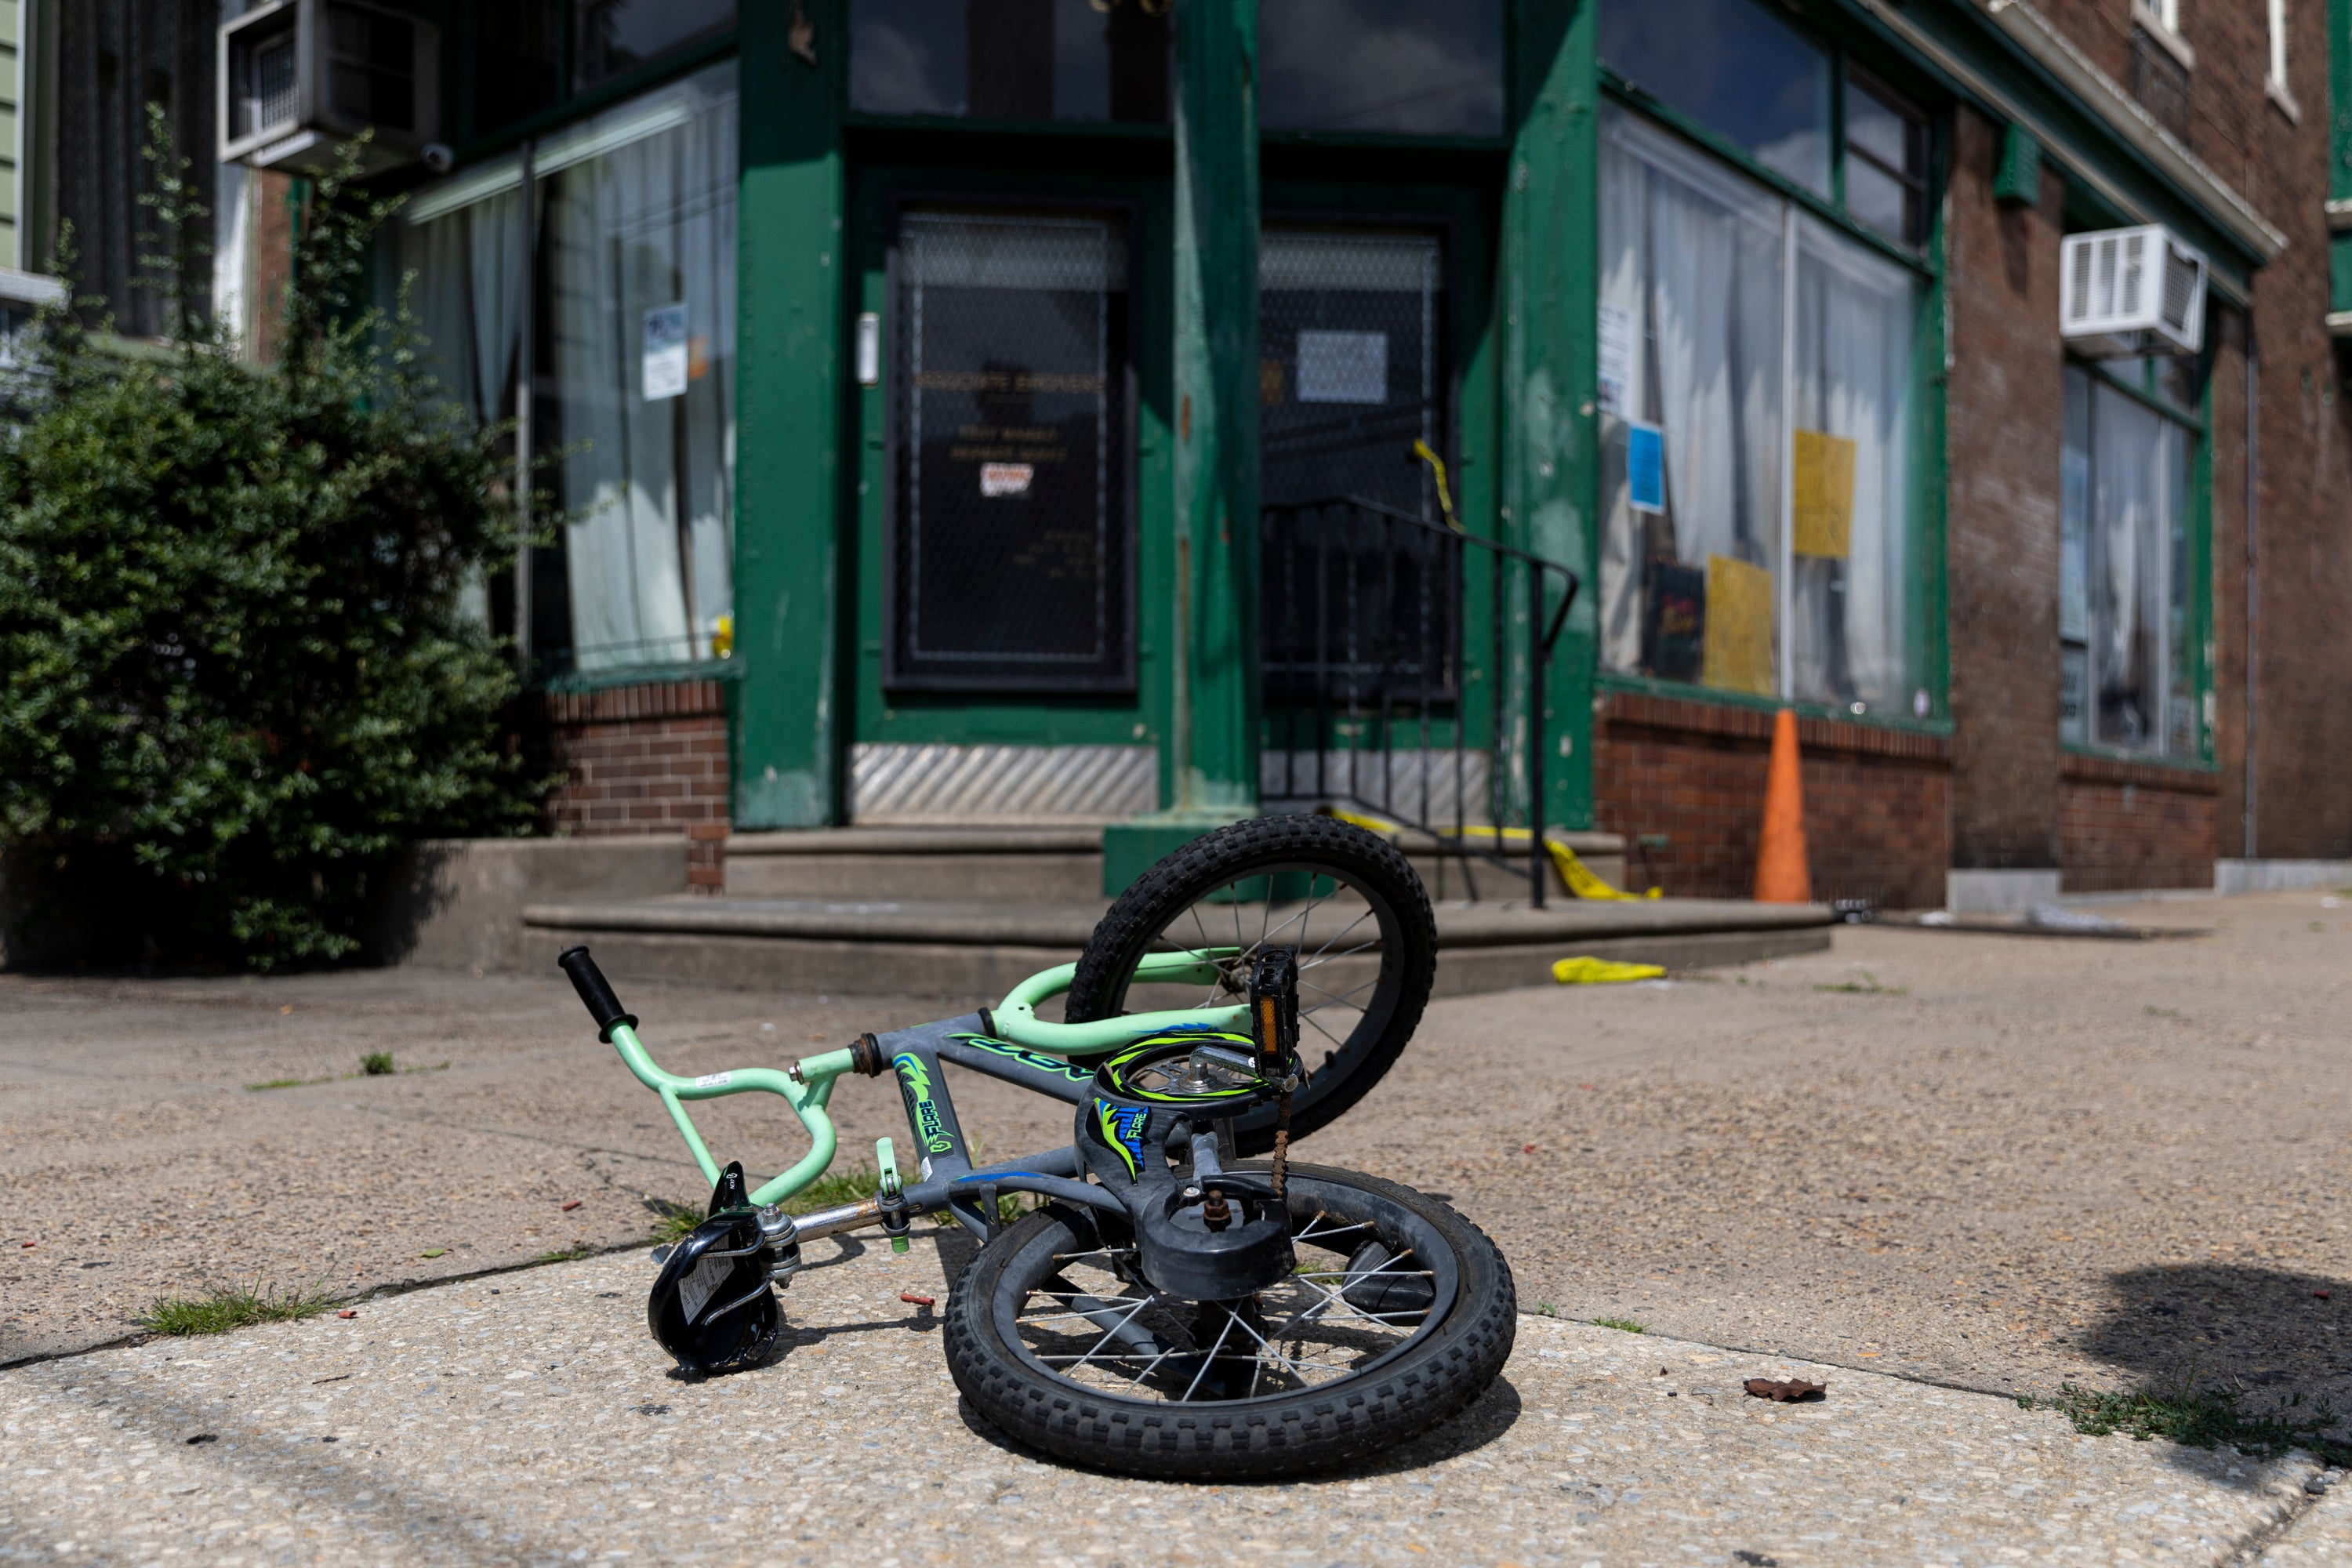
x=1392, y=640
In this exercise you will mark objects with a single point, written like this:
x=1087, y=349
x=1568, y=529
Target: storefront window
x=1734, y=67
x=1382, y=65
x=630, y=282
x=1885, y=165
x=516, y=56
x=1012, y=60
x=2125, y=680
x=610, y=36
x=1850, y=545
x=1756, y=529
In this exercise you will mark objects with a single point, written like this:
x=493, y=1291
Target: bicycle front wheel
x=1347, y=900
x=1401, y=1313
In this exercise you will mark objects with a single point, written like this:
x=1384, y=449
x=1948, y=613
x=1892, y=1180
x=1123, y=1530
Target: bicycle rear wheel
x=1347, y=900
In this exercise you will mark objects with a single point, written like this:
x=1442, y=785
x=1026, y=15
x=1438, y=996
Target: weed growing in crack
x=2199, y=1419
x=1624, y=1325
x=235, y=1307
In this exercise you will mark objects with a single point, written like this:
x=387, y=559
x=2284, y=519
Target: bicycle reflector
x=1274, y=1010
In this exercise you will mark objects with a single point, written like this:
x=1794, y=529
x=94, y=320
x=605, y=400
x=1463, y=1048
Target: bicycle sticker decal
x=714, y=1080
x=1072, y=1070
x=922, y=1111
x=699, y=1287
x=1123, y=1127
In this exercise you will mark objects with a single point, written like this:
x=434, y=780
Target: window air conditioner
x=298, y=78
x=2127, y=292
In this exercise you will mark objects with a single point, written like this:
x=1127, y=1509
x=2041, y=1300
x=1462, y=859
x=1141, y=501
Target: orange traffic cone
x=1782, y=876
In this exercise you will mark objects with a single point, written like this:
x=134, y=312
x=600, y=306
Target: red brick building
x=1748, y=312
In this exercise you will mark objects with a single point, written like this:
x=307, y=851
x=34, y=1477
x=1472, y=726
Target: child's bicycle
x=1174, y=1307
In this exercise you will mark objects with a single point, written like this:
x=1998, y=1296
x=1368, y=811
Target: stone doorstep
x=965, y=948
x=1037, y=865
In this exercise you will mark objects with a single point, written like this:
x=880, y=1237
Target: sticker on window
x=1343, y=367
x=1645, y=467
x=1006, y=478
x=1616, y=344
x=665, y=352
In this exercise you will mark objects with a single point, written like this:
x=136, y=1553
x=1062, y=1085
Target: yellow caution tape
x=1602, y=972
x=1581, y=880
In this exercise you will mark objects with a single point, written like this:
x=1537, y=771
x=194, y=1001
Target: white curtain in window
x=633, y=225
x=1856, y=311
x=468, y=296
x=1692, y=264
x=2138, y=576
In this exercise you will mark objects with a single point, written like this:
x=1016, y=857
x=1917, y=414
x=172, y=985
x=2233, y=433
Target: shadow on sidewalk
x=2265, y=1335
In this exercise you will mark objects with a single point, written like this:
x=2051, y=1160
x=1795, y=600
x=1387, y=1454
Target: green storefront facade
x=869, y=220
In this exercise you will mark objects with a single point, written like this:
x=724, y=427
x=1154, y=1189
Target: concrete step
x=1000, y=865
x=1046, y=865
x=969, y=948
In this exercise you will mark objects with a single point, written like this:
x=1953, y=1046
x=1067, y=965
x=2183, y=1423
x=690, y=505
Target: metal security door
x=1361, y=616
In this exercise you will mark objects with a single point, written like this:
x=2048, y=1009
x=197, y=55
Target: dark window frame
x=1125, y=681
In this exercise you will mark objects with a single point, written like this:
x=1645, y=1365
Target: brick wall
x=2004, y=416
x=2279, y=163
x=1877, y=801
x=2135, y=825
x=639, y=759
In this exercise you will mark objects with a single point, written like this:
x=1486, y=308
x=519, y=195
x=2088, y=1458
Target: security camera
x=439, y=157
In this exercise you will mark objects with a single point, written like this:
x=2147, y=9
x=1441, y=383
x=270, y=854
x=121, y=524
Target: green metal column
x=787, y=717
x=1214, y=724
x=1550, y=298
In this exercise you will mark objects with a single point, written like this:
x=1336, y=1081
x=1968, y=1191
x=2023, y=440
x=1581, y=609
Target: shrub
x=233, y=666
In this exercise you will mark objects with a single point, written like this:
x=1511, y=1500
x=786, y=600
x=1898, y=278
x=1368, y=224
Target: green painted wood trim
x=579, y=681
x=2018, y=180
x=2149, y=759
x=1213, y=728
x=788, y=508
x=1549, y=298
x=1610, y=680
x=2339, y=265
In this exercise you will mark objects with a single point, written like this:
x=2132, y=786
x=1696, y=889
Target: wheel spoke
x=1211, y=1360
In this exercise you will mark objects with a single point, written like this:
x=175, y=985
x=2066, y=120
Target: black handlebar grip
x=596, y=990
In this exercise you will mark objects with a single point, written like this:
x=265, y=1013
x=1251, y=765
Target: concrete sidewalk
x=528, y=1419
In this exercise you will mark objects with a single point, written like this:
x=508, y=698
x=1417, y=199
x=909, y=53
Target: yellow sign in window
x=1738, y=646
x=1824, y=497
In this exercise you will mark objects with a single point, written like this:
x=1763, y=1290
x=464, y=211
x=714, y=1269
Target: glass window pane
x=2141, y=696
x=1382, y=65
x=1009, y=407
x=2074, y=563
x=1850, y=545
x=615, y=35
x=636, y=370
x=1734, y=67
x=1010, y=59
x=1878, y=199
x=1878, y=128
x=1692, y=280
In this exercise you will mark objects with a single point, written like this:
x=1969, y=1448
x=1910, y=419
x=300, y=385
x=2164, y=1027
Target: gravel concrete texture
x=1994, y=1161
x=527, y=1420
